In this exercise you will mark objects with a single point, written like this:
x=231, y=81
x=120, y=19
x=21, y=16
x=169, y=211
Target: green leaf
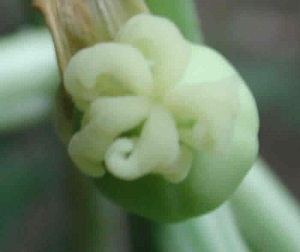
x=183, y=13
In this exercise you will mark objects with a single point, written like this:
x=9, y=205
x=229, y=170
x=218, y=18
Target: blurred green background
x=261, y=38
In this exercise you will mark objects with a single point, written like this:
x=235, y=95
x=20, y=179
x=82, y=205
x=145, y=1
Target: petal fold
x=116, y=115
x=206, y=112
x=106, y=119
x=160, y=41
x=107, y=69
x=157, y=148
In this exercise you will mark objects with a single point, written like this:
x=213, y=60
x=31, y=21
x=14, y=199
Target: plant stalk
x=215, y=232
x=28, y=78
x=96, y=224
x=268, y=216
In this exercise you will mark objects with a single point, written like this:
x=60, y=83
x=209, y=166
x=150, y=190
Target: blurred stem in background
x=96, y=224
x=28, y=79
x=268, y=216
x=214, y=232
x=261, y=216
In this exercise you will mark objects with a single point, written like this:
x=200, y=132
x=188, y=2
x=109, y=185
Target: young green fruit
x=169, y=128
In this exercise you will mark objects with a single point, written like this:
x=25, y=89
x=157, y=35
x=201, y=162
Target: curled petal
x=87, y=149
x=208, y=109
x=116, y=115
x=106, y=119
x=163, y=46
x=206, y=101
x=157, y=148
x=107, y=70
x=206, y=65
x=216, y=176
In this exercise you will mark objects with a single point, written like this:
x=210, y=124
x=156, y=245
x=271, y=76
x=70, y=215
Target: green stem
x=29, y=78
x=183, y=13
x=96, y=224
x=268, y=215
x=215, y=232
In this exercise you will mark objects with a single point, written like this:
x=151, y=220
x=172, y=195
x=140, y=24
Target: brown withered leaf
x=76, y=24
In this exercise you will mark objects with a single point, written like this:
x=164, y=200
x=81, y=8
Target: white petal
x=207, y=65
x=117, y=115
x=107, y=69
x=158, y=146
x=119, y=162
x=212, y=107
x=106, y=119
x=87, y=149
x=162, y=44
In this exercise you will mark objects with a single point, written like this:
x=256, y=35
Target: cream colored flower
x=151, y=100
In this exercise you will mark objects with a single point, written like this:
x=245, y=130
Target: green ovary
x=184, y=98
